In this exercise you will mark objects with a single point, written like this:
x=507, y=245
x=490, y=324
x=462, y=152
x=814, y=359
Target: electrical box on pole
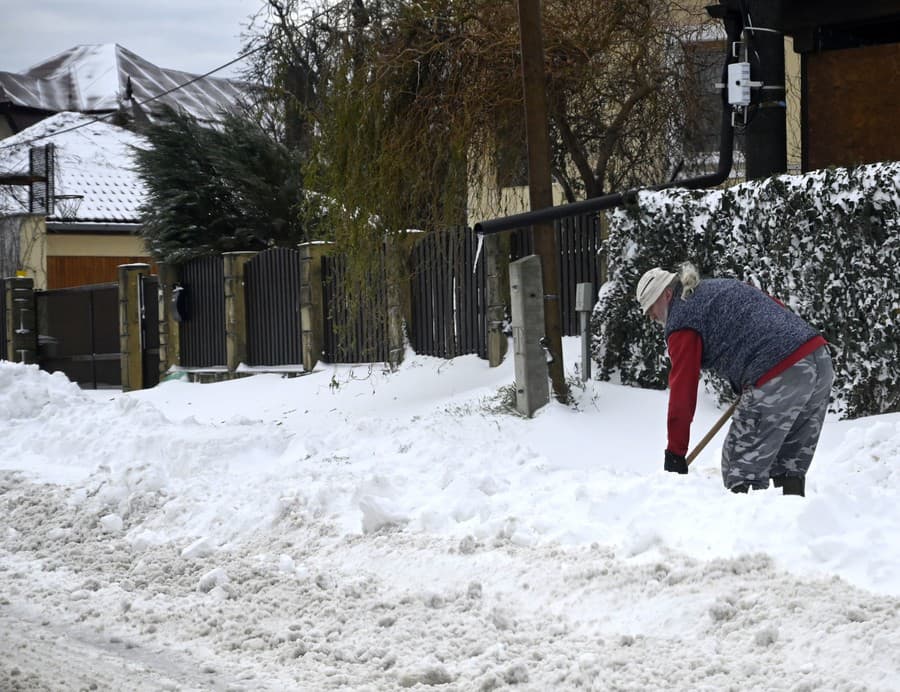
x=755, y=86
x=739, y=84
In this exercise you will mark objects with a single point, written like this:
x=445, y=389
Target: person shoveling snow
x=775, y=361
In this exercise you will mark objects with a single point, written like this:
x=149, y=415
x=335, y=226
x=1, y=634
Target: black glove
x=675, y=463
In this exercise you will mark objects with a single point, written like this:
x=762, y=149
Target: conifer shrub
x=826, y=243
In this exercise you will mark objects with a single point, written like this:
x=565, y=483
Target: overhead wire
x=100, y=118
x=105, y=116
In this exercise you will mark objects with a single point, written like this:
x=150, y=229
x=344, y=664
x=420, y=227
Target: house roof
x=95, y=79
x=93, y=158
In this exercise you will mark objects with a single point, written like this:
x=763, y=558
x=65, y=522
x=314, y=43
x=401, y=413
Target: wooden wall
x=68, y=270
x=851, y=111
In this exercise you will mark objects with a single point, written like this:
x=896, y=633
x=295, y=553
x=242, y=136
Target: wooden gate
x=448, y=295
x=203, y=319
x=273, y=308
x=78, y=334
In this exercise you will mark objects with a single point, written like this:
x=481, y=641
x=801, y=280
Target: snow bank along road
x=82, y=609
x=156, y=542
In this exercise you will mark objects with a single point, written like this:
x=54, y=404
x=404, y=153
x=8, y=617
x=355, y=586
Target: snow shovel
x=712, y=433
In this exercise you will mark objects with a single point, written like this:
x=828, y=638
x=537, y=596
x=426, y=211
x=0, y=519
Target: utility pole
x=537, y=134
x=766, y=133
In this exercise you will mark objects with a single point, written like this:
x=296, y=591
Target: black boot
x=740, y=488
x=794, y=485
x=790, y=485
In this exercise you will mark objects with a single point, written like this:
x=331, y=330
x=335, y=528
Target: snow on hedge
x=826, y=243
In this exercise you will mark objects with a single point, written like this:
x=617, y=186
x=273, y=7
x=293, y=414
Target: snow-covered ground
x=359, y=530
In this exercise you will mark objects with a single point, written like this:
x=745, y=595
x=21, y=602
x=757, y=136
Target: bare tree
x=419, y=87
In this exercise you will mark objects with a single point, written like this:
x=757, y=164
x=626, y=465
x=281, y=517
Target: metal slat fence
x=448, y=295
x=273, y=308
x=355, y=327
x=150, y=329
x=203, y=326
x=4, y=352
x=578, y=241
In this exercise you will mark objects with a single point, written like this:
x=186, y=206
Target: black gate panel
x=78, y=334
x=149, y=297
x=202, y=327
x=448, y=295
x=578, y=241
x=272, y=285
x=355, y=329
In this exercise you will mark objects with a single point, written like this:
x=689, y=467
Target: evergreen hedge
x=826, y=243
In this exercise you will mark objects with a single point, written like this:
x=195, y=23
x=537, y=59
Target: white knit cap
x=651, y=286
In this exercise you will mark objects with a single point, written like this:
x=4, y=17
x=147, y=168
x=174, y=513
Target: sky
x=191, y=35
x=365, y=530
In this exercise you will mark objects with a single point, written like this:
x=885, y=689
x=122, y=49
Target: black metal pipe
x=733, y=27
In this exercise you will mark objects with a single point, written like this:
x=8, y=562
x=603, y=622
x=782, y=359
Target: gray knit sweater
x=744, y=332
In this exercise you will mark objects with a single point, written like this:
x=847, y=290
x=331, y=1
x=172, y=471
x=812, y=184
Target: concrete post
x=495, y=260
x=312, y=303
x=235, y=308
x=130, y=337
x=169, y=326
x=527, y=303
x=584, y=303
x=21, y=339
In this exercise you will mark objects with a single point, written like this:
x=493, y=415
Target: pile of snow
x=405, y=529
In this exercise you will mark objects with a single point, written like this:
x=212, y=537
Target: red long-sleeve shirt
x=686, y=352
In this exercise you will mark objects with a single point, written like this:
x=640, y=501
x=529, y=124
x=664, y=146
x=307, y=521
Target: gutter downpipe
x=733, y=28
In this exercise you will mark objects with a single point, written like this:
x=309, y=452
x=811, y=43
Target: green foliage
x=420, y=103
x=387, y=151
x=387, y=156
x=826, y=243
x=218, y=190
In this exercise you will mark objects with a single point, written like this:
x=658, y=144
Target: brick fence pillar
x=312, y=303
x=130, y=338
x=235, y=308
x=169, y=321
x=20, y=341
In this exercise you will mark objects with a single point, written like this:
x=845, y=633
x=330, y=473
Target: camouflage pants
x=776, y=427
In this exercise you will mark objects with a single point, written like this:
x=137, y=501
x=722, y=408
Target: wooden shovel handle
x=712, y=432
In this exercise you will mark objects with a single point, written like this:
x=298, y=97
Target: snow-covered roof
x=94, y=159
x=94, y=78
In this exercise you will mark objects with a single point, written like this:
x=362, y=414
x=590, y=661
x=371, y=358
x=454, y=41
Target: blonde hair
x=689, y=278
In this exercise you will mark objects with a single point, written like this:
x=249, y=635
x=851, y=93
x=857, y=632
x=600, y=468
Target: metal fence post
x=132, y=355
x=21, y=338
x=235, y=308
x=584, y=303
x=497, y=343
